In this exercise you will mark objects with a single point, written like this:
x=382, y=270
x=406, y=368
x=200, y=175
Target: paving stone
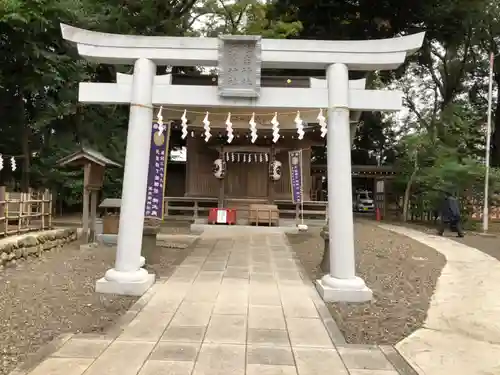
x=270, y=370
x=209, y=277
x=268, y=317
x=269, y=355
x=261, y=261
x=194, y=260
x=288, y=275
x=192, y=314
x=300, y=309
x=268, y=336
x=215, y=359
x=203, y=292
x=121, y=358
x=82, y=348
x=234, y=285
x=237, y=272
x=226, y=329
x=364, y=358
x=164, y=303
x=373, y=372
x=185, y=273
x=264, y=295
x=308, y=332
x=214, y=266
x=169, y=351
x=184, y=334
x=265, y=277
x=141, y=329
x=285, y=264
x=63, y=366
x=313, y=361
x=166, y=368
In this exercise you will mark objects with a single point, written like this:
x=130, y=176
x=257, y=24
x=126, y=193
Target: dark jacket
x=450, y=210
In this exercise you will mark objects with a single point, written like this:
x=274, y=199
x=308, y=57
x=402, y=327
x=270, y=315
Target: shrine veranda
x=239, y=101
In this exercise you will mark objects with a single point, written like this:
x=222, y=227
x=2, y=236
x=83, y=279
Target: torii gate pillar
x=127, y=277
x=341, y=284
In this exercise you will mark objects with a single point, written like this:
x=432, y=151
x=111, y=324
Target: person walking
x=450, y=215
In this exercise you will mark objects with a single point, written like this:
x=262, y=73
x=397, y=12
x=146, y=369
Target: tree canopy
x=437, y=141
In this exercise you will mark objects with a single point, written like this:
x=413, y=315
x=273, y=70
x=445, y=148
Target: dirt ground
x=401, y=272
x=44, y=297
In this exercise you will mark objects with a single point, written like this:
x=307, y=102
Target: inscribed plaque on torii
x=239, y=66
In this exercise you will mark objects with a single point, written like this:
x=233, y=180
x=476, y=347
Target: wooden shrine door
x=246, y=180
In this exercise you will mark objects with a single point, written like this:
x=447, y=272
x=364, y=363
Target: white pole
x=488, y=146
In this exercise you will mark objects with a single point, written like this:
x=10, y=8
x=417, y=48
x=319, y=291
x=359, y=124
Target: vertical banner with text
x=156, y=173
x=295, y=161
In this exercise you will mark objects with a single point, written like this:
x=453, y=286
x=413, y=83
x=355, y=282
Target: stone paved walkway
x=461, y=335
x=235, y=306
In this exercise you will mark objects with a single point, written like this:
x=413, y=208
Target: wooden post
x=3, y=212
x=50, y=208
x=42, y=210
x=30, y=197
x=85, y=213
x=93, y=214
x=20, y=213
x=85, y=208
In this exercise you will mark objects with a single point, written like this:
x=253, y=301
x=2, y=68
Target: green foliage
x=438, y=146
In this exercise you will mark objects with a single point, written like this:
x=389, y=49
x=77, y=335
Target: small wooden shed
x=94, y=164
x=111, y=215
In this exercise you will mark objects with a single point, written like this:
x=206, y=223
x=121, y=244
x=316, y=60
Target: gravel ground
x=44, y=297
x=401, y=272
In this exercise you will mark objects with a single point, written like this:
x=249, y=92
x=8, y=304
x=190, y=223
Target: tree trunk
x=495, y=138
x=406, y=200
x=25, y=178
x=25, y=146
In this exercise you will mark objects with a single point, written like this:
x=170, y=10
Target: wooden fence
x=192, y=208
x=23, y=212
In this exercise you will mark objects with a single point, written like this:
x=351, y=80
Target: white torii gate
x=146, y=89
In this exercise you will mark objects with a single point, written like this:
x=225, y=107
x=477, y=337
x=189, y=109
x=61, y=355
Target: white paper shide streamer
x=299, y=124
x=276, y=129
x=253, y=129
x=322, y=122
x=229, y=128
x=1, y=162
x=184, y=126
x=206, y=126
x=13, y=164
x=159, y=117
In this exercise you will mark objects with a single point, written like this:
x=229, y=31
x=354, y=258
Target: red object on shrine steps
x=222, y=216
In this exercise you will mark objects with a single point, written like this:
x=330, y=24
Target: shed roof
x=86, y=154
x=111, y=203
